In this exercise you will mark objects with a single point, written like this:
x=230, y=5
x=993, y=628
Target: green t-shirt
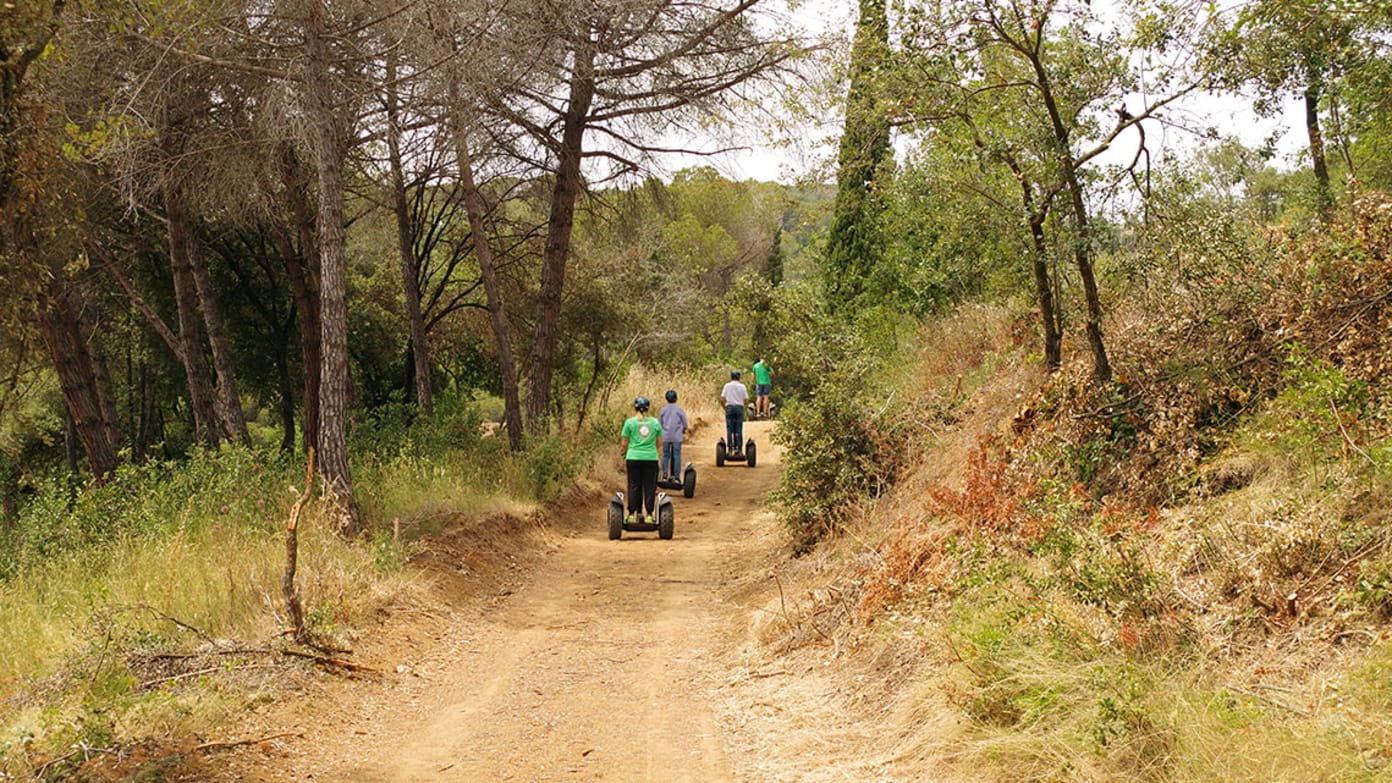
x=642, y=432
x=762, y=374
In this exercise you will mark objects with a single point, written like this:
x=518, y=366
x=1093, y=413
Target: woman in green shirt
x=642, y=442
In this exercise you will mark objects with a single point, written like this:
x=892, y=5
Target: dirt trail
x=604, y=663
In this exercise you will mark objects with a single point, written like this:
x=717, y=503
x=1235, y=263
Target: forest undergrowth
x=1184, y=574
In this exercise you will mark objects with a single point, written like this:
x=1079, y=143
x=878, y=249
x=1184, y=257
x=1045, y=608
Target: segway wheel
x=720, y=454
x=666, y=521
x=689, y=481
x=616, y=514
x=749, y=451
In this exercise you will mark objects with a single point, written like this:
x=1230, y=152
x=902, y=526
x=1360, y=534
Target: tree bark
x=287, y=403
x=145, y=425
x=202, y=399
x=1082, y=241
x=101, y=373
x=1082, y=258
x=558, y=232
x=333, y=298
x=497, y=314
x=1043, y=291
x=300, y=266
x=61, y=328
x=229, y=399
x=1324, y=195
x=410, y=277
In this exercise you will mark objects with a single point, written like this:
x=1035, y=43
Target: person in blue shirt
x=674, y=429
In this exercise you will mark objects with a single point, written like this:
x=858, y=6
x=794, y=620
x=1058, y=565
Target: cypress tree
x=854, y=247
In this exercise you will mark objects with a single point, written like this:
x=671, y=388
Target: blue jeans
x=671, y=458
x=734, y=427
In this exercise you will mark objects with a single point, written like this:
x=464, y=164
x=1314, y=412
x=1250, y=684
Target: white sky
x=785, y=154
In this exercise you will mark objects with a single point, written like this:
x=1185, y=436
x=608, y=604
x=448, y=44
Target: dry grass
x=68, y=629
x=1185, y=576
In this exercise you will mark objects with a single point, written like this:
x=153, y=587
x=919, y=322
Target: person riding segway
x=674, y=428
x=733, y=447
x=642, y=442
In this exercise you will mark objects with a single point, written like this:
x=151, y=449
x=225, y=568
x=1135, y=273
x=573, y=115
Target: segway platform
x=724, y=455
x=664, y=524
x=687, y=484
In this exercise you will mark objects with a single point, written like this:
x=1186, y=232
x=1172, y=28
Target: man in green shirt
x=763, y=384
x=642, y=443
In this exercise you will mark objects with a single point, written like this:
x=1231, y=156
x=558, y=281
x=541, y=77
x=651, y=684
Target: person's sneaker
x=629, y=521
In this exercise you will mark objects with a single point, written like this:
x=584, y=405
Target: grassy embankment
x=102, y=589
x=1184, y=574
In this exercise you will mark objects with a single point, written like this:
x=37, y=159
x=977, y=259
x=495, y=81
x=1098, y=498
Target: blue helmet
x=734, y=375
x=671, y=395
x=640, y=403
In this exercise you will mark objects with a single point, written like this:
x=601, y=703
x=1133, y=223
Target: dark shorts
x=763, y=389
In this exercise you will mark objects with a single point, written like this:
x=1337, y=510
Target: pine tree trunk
x=497, y=315
x=299, y=267
x=558, y=231
x=229, y=399
x=101, y=374
x=145, y=427
x=333, y=300
x=287, y=403
x=201, y=395
x=410, y=279
x=60, y=325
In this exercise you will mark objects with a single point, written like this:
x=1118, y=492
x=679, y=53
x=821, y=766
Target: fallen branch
x=238, y=743
x=82, y=749
x=170, y=656
x=180, y=623
x=327, y=661
x=200, y=672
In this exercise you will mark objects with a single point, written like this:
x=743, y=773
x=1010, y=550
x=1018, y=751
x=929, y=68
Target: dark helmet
x=734, y=375
x=671, y=395
x=640, y=403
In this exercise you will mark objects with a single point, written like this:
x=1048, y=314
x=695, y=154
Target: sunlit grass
x=223, y=580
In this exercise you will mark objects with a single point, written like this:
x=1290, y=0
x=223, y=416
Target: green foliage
x=229, y=486
x=1319, y=404
x=844, y=439
x=960, y=249
x=551, y=464
x=855, y=243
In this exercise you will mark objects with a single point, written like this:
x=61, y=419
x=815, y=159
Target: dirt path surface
x=604, y=660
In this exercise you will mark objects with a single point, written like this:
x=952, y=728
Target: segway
x=687, y=484
x=752, y=414
x=664, y=525
x=723, y=454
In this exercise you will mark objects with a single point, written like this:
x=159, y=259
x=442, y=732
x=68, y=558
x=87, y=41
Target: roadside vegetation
x=1178, y=575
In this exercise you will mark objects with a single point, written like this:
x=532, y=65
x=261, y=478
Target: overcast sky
x=774, y=147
